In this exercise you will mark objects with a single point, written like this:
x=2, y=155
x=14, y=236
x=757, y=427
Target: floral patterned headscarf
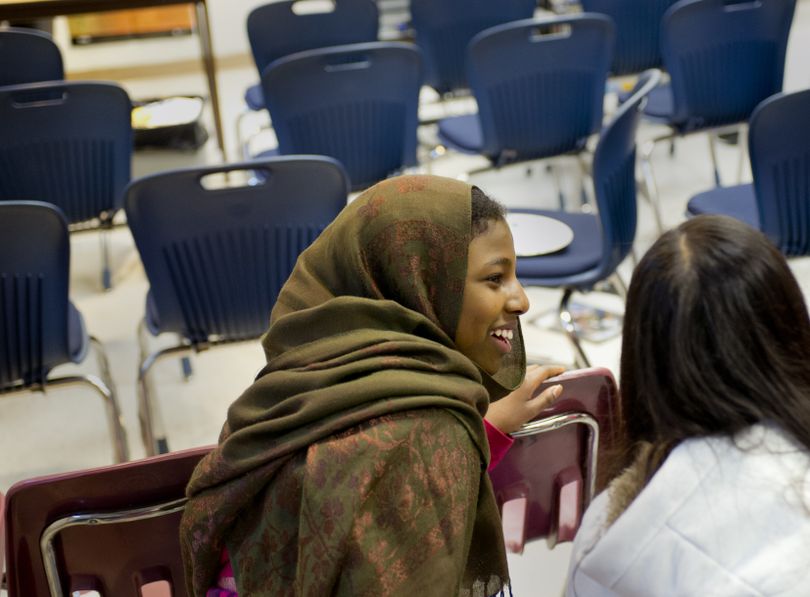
x=363, y=328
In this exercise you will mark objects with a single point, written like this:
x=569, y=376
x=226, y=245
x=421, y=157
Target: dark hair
x=484, y=210
x=716, y=337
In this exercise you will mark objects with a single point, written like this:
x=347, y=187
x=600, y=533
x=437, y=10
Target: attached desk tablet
x=538, y=235
x=32, y=9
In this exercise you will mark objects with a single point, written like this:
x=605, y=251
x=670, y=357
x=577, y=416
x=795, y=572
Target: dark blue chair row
x=778, y=201
x=723, y=57
x=638, y=32
x=279, y=29
x=215, y=256
x=39, y=326
x=539, y=85
x=357, y=103
x=28, y=56
x=444, y=29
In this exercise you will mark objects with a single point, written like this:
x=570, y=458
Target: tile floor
x=65, y=429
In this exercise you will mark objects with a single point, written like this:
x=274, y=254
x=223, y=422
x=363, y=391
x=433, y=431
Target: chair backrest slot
x=355, y=63
x=42, y=98
x=543, y=33
x=734, y=5
x=235, y=179
x=313, y=7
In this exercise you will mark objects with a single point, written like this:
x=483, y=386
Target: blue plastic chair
x=723, y=57
x=444, y=29
x=355, y=103
x=40, y=328
x=638, y=26
x=281, y=28
x=601, y=242
x=277, y=29
x=540, y=88
x=69, y=144
x=28, y=56
x=217, y=258
x=778, y=201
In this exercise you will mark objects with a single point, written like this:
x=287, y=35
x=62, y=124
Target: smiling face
x=493, y=299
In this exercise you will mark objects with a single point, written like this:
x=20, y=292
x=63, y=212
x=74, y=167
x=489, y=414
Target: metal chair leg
x=557, y=184
x=117, y=431
x=618, y=285
x=587, y=200
x=580, y=360
x=106, y=275
x=713, y=154
x=185, y=364
x=650, y=186
x=742, y=145
x=152, y=430
x=116, y=423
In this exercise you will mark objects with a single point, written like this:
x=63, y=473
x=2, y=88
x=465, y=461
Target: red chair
x=113, y=530
x=549, y=476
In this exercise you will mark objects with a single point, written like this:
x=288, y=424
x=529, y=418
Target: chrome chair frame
x=49, y=535
x=564, y=420
x=153, y=432
x=103, y=385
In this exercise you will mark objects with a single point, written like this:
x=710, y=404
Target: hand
x=511, y=411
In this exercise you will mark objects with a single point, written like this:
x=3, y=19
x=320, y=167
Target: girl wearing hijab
x=356, y=463
x=715, y=388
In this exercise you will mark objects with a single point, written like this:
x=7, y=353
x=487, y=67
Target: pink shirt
x=499, y=444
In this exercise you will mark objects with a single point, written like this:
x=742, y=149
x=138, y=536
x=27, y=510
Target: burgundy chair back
x=92, y=548
x=548, y=477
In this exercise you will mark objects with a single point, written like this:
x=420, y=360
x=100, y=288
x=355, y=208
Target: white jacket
x=721, y=517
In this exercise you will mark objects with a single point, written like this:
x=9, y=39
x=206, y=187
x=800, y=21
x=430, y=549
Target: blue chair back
x=444, y=29
x=356, y=103
x=724, y=57
x=540, y=84
x=216, y=258
x=614, y=177
x=34, y=274
x=66, y=143
x=28, y=56
x=638, y=31
x=277, y=29
x=779, y=145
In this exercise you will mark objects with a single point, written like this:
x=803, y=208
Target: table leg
x=204, y=33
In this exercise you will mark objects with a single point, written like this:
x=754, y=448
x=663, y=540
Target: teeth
x=506, y=334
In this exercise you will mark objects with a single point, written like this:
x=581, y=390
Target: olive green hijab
x=363, y=328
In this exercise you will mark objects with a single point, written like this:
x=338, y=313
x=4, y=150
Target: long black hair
x=716, y=337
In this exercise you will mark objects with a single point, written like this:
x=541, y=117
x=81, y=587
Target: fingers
x=545, y=398
x=535, y=375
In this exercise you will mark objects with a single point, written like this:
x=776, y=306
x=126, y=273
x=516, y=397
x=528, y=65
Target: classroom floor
x=65, y=429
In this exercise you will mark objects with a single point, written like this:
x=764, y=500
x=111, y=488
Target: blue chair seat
x=78, y=341
x=267, y=153
x=738, y=201
x=660, y=105
x=462, y=133
x=254, y=98
x=152, y=317
x=583, y=254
